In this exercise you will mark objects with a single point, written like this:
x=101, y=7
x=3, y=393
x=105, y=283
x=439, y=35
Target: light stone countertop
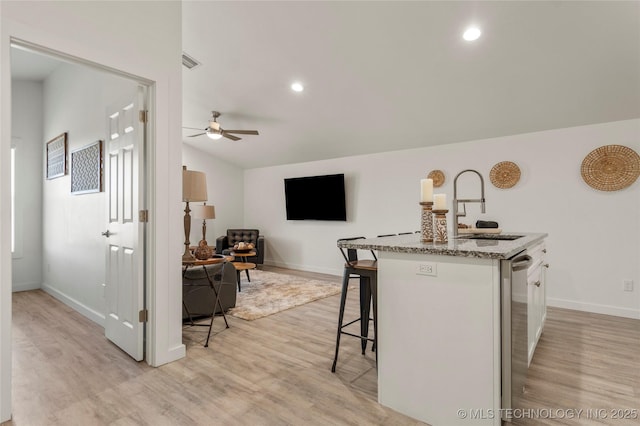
x=462, y=246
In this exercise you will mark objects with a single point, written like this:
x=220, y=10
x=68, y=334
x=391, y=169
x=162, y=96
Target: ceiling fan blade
x=199, y=134
x=228, y=136
x=243, y=132
x=194, y=128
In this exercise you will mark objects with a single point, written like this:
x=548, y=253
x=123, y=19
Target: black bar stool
x=367, y=271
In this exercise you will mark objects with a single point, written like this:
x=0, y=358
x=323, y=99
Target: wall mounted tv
x=315, y=198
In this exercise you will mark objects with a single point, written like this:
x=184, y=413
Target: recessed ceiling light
x=297, y=87
x=471, y=34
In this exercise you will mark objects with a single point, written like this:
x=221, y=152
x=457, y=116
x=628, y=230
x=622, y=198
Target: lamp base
x=188, y=257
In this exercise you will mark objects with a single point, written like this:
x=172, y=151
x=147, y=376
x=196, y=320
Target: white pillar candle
x=426, y=190
x=440, y=202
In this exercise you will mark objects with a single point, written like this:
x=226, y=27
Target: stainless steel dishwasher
x=514, y=330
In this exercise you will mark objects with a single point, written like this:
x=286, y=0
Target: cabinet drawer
x=537, y=254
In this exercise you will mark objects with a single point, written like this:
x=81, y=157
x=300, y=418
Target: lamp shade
x=203, y=212
x=194, y=185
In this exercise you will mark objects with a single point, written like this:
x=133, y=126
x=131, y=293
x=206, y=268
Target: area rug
x=269, y=293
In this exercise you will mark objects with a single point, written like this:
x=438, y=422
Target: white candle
x=440, y=202
x=426, y=190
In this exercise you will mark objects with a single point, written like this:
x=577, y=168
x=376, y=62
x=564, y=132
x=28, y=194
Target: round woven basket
x=437, y=176
x=505, y=174
x=610, y=167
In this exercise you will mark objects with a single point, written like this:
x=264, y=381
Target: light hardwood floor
x=587, y=362
x=276, y=370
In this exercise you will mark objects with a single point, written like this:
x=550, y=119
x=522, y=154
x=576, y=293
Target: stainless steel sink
x=491, y=237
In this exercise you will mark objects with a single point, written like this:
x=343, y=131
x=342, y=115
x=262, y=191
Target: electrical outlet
x=628, y=285
x=427, y=268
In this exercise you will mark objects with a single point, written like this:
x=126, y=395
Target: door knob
x=107, y=234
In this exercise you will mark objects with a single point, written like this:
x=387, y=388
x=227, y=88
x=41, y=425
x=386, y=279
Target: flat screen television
x=315, y=198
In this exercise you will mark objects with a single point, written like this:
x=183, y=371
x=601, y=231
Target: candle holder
x=426, y=222
x=440, y=226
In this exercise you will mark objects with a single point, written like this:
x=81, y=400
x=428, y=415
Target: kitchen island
x=440, y=324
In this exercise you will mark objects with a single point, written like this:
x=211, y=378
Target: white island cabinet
x=440, y=325
x=439, y=337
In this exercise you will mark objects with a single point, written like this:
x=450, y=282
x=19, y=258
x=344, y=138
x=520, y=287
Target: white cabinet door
x=537, y=307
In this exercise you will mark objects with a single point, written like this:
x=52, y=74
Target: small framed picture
x=57, y=156
x=86, y=169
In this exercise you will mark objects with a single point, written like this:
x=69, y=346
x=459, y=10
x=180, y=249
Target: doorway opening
x=61, y=234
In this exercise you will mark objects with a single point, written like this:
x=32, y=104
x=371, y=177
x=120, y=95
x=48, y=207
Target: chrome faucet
x=480, y=200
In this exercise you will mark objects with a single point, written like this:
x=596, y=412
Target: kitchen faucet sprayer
x=480, y=200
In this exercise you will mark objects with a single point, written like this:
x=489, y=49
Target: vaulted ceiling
x=393, y=75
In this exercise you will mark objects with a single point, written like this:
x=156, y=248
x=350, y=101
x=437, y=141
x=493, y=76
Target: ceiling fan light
x=472, y=34
x=213, y=135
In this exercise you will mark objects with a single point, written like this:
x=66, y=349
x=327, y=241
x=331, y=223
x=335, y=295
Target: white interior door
x=124, y=177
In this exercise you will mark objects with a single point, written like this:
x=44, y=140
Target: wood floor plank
x=276, y=370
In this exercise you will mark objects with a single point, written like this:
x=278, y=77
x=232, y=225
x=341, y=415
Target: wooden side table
x=186, y=264
x=217, y=258
x=243, y=265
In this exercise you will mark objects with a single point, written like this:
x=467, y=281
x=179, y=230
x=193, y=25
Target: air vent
x=189, y=61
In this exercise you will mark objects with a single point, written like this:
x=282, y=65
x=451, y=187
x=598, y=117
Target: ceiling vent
x=189, y=61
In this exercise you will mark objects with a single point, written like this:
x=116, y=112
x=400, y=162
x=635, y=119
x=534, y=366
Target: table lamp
x=204, y=212
x=194, y=189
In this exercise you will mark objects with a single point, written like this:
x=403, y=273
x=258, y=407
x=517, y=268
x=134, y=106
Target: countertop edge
x=460, y=246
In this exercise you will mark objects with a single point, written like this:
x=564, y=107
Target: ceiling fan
x=214, y=131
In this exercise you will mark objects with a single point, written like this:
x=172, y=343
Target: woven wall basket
x=437, y=176
x=610, y=167
x=505, y=174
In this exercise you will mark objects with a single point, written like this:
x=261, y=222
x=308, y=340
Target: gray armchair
x=225, y=243
x=198, y=296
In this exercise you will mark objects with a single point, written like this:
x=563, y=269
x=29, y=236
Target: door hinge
x=143, y=316
x=143, y=216
x=143, y=116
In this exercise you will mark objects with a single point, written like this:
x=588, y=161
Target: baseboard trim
x=307, y=268
x=75, y=305
x=170, y=355
x=594, y=308
x=25, y=287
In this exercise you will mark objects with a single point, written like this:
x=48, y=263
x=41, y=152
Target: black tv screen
x=315, y=198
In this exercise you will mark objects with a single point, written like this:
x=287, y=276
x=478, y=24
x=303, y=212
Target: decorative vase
x=203, y=251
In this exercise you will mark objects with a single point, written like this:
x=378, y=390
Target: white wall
x=75, y=101
x=143, y=39
x=27, y=136
x=225, y=186
x=592, y=243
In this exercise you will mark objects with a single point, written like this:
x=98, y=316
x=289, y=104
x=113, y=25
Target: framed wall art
x=86, y=169
x=57, y=156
